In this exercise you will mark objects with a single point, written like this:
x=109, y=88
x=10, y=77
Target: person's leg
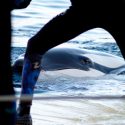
x=31, y=70
x=7, y=106
x=119, y=35
x=60, y=29
x=115, y=25
x=19, y=4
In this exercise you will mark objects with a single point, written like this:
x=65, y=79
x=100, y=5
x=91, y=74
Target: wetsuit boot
x=31, y=70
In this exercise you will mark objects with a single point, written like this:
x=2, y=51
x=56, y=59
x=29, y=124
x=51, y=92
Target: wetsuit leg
x=115, y=25
x=119, y=36
x=7, y=107
x=19, y=4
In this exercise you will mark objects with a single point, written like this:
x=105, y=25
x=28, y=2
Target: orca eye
x=85, y=60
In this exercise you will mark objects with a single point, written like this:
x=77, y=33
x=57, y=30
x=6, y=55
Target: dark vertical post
x=7, y=108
